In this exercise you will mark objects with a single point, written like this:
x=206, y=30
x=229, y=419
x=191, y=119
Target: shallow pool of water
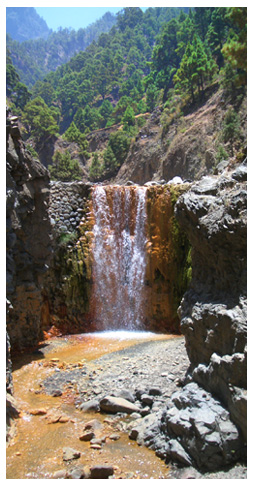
x=37, y=449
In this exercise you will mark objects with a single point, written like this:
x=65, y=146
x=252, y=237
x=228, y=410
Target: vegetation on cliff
x=166, y=57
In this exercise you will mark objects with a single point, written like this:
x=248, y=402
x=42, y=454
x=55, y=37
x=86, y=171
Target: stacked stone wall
x=66, y=206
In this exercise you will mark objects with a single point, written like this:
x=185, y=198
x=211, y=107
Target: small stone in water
x=76, y=473
x=101, y=472
x=69, y=454
x=56, y=393
x=114, y=437
x=60, y=474
x=87, y=436
x=53, y=418
x=38, y=411
x=95, y=446
x=64, y=419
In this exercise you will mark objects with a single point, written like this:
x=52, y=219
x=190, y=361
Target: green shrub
x=230, y=126
x=32, y=151
x=221, y=154
x=96, y=168
x=67, y=238
x=64, y=168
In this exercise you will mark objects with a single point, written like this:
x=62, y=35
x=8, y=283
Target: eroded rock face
x=168, y=266
x=28, y=239
x=213, y=311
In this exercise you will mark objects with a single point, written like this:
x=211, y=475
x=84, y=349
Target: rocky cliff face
x=213, y=311
x=28, y=239
x=28, y=251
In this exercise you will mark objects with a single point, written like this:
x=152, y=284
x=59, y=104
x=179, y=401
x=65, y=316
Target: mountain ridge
x=24, y=23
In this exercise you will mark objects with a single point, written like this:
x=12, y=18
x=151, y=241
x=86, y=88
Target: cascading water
x=119, y=256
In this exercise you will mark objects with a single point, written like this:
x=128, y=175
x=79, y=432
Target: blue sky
x=75, y=17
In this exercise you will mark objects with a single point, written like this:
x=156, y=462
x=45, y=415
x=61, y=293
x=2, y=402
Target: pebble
x=53, y=418
x=147, y=399
x=117, y=404
x=56, y=393
x=155, y=391
x=76, y=473
x=64, y=419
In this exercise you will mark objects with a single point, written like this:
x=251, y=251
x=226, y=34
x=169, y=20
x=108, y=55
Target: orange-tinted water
x=36, y=452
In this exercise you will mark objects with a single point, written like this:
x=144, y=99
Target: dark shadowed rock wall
x=28, y=239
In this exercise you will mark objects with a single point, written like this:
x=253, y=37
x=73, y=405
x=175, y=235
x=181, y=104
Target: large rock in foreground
x=117, y=404
x=194, y=429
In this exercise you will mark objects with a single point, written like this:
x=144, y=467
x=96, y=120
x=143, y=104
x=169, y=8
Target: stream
x=48, y=424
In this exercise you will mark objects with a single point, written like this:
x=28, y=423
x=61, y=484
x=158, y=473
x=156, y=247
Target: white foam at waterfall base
x=122, y=334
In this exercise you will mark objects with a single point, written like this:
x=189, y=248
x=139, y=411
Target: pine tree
x=21, y=96
x=39, y=119
x=235, y=49
x=64, y=168
x=217, y=33
x=165, y=58
x=128, y=119
x=110, y=161
x=196, y=67
x=95, y=170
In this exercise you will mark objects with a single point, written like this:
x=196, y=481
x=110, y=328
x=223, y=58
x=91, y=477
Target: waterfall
x=119, y=257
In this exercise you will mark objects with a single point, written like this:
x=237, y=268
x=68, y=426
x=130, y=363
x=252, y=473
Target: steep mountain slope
x=189, y=147
x=35, y=58
x=162, y=94
x=24, y=23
